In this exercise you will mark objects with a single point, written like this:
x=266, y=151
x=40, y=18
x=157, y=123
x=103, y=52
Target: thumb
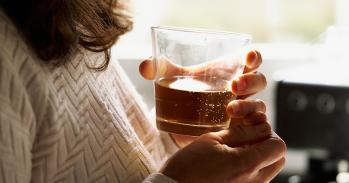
x=164, y=68
x=263, y=154
x=241, y=135
x=147, y=69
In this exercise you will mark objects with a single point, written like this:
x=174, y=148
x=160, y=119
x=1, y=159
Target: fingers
x=219, y=68
x=255, y=118
x=251, y=82
x=165, y=68
x=263, y=154
x=248, y=124
x=268, y=173
x=248, y=84
x=240, y=108
x=253, y=61
x=240, y=135
x=147, y=70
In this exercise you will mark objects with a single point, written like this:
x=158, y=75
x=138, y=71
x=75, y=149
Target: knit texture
x=69, y=123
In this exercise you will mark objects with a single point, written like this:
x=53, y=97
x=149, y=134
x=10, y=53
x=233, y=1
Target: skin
x=249, y=151
x=244, y=153
x=246, y=85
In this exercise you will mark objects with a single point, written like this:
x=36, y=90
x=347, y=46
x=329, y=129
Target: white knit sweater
x=68, y=123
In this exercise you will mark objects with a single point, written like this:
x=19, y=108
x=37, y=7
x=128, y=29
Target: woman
x=69, y=114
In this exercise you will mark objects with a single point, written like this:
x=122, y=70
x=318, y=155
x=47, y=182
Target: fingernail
x=240, y=85
x=252, y=57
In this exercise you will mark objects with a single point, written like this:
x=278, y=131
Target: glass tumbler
x=194, y=71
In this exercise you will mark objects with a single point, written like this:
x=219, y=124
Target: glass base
x=187, y=129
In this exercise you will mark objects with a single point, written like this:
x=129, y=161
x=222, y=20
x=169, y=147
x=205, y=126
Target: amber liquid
x=192, y=105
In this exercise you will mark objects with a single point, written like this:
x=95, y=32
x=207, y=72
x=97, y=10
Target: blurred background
x=304, y=48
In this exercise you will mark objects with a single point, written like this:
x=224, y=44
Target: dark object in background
x=314, y=116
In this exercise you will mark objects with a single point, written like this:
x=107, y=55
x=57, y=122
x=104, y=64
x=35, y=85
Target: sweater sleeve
x=159, y=144
x=17, y=125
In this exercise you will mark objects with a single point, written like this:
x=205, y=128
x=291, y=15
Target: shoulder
x=22, y=80
x=16, y=57
x=12, y=45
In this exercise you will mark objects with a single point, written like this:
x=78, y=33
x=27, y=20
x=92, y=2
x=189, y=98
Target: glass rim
x=202, y=31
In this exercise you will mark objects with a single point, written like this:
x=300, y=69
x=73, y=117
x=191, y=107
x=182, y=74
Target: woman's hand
x=248, y=84
x=237, y=110
x=217, y=68
x=246, y=152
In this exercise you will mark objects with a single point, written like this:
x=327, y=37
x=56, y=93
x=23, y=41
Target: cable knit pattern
x=68, y=123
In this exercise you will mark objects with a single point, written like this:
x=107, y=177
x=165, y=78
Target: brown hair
x=53, y=28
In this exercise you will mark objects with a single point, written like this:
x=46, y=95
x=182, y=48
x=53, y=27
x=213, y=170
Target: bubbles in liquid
x=192, y=105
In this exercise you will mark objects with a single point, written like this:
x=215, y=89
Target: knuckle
x=259, y=116
x=256, y=118
x=265, y=129
x=262, y=116
x=280, y=145
x=261, y=104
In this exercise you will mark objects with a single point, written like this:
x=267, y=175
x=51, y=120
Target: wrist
x=174, y=168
